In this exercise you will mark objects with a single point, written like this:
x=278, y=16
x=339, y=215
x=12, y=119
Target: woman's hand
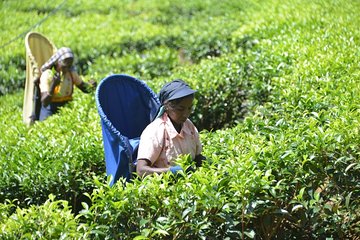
x=93, y=83
x=199, y=159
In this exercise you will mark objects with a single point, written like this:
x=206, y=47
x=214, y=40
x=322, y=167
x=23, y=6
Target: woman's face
x=65, y=65
x=180, y=111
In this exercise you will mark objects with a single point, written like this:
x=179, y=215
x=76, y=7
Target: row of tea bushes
x=231, y=86
x=53, y=156
x=159, y=61
x=284, y=173
x=59, y=156
x=228, y=86
x=290, y=169
x=56, y=163
x=267, y=181
x=118, y=32
x=271, y=177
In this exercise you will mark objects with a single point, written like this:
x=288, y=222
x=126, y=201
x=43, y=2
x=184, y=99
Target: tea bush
x=159, y=61
x=43, y=222
x=229, y=87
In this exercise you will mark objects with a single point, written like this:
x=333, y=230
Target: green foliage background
x=277, y=106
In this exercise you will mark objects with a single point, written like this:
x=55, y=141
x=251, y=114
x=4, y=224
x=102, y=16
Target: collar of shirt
x=171, y=129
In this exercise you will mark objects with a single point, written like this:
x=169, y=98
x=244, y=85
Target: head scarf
x=60, y=55
x=171, y=91
x=174, y=90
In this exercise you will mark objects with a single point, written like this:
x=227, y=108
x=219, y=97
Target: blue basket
x=126, y=106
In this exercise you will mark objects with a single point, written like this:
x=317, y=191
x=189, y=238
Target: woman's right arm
x=48, y=90
x=143, y=168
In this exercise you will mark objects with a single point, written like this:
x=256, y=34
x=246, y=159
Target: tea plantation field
x=277, y=108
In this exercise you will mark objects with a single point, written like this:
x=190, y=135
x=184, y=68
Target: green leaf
x=250, y=234
x=347, y=200
x=161, y=232
x=273, y=192
x=186, y=212
x=141, y=238
x=296, y=207
x=350, y=166
x=281, y=211
x=162, y=219
x=301, y=193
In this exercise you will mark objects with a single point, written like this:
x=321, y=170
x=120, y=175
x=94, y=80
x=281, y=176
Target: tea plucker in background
x=171, y=134
x=58, y=77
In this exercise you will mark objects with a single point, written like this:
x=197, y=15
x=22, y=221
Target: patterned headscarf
x=60, y=55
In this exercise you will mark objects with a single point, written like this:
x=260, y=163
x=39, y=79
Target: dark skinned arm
x=143, y=168
x=87, y=87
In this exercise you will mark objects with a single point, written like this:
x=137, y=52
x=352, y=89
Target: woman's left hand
x=93, y=83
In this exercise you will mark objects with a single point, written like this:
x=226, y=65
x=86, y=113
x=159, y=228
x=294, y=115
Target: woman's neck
x=176, y=126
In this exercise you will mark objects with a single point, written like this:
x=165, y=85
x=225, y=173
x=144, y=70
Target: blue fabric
x=126, y=106
x=50, y=109
x=175, y=169
x=160, y=112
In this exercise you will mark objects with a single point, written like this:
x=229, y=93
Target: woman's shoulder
x=189, y=123
x=190, y=126
x=47, y=73
x=158, y=123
